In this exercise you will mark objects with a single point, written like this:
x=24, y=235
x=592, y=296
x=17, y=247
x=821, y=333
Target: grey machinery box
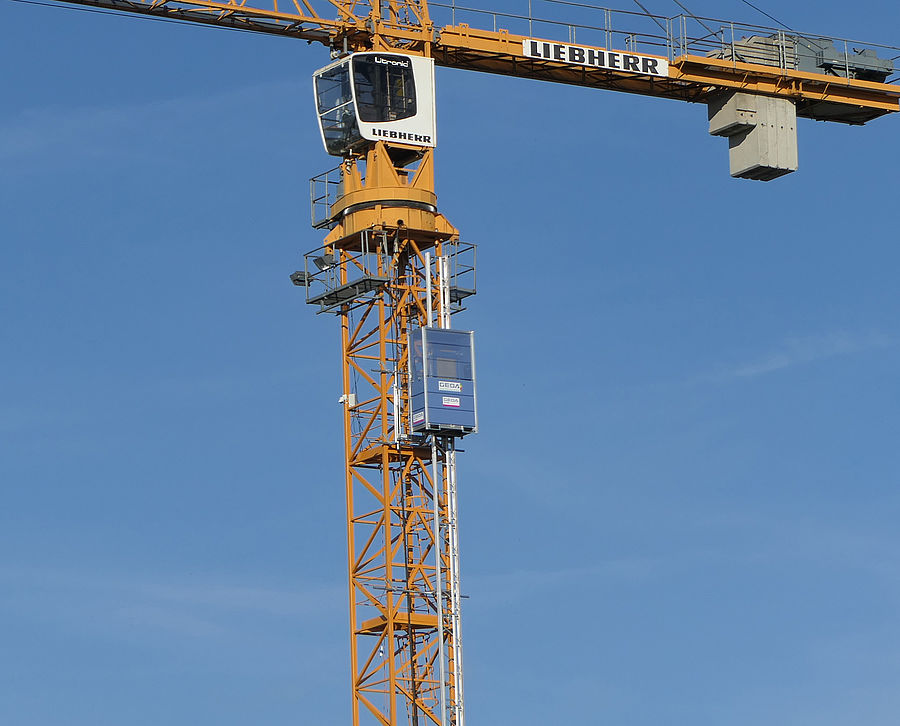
x=442, y=382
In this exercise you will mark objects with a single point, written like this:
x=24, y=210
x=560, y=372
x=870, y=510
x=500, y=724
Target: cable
x=708, y=29
x=129, y=16
x=760, y=10
x=650, y=15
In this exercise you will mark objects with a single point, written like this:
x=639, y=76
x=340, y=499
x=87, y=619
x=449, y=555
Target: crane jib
x=645, y=65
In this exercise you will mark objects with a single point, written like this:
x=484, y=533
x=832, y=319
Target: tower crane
x=394, y=270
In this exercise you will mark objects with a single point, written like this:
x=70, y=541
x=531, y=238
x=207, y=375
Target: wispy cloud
x=738, y=541
x=502, y=588
x=80, y=132
x=243, y=598
x=136, y=607
x=806, y=350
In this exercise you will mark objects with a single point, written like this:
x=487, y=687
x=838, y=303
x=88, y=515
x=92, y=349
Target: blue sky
x=682, y=506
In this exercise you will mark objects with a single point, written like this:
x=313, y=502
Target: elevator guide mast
x=393, y=269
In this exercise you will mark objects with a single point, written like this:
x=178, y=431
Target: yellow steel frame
x=403, y=643
x=691, y=78
x=405, y=25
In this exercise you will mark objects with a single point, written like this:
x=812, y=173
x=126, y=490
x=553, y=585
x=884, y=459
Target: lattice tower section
x=401, y=535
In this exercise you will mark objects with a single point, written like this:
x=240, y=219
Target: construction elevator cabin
x=442, y=382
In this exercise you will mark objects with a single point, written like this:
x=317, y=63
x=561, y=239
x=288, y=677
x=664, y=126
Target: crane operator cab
x=368, y=97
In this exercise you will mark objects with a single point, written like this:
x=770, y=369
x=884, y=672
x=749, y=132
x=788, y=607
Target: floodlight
x=324, y=262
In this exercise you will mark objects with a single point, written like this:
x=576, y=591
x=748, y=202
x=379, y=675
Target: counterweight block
x=761, y=131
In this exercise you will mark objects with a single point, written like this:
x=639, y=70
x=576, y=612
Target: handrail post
x=670, y=40
x=847, y=62
x=733, y=51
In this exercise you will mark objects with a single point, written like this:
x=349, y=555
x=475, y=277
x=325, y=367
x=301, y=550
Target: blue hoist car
x=442, y=382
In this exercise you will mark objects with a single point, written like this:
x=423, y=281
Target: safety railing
x=365, y=272
x=461, y=269
x=566, y=21
x=324, y=191
x=336, y=279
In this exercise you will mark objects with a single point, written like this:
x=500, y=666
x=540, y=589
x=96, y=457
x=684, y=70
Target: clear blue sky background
x=683, y=504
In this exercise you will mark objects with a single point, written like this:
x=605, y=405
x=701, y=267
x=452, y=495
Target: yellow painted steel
x=394, y=583
x=691, y=78
x=405, y=26
x=387, y=197
x=394, y=505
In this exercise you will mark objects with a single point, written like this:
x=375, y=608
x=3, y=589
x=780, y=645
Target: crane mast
x=393, y=269
x=387, y=270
